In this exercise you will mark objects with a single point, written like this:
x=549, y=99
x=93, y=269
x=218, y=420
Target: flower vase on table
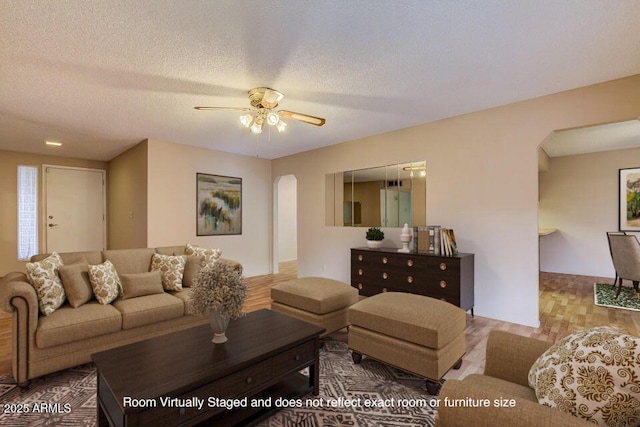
x=218, y=291
x=219, y=324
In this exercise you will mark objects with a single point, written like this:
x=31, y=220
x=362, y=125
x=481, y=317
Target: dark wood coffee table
x=261, y=360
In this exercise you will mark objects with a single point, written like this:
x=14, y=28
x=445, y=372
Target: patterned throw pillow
x=43, y=276
x=171, y=269
x=592, y=374
x=105, y=282
x=210, y=255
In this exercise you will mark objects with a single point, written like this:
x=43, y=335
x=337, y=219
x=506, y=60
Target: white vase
x=374, y=244
x=219, y=325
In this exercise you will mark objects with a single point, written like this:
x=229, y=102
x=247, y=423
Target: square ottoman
x=418, y=334
x=322, y=302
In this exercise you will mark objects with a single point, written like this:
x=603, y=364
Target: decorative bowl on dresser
x=447, y=278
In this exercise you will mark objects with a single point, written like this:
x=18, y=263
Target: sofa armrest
x=235, y=264
x=524, y=413
x=510, y=356
x=15, y=285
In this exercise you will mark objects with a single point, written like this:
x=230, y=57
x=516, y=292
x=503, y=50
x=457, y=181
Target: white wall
x=172, y=202
x=482, y=180
x=579, y=197
x=287, y=218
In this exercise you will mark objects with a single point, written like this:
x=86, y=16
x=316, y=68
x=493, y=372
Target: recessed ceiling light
x=55, y=144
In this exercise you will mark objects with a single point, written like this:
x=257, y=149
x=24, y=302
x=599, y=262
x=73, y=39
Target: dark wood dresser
x=448, y=278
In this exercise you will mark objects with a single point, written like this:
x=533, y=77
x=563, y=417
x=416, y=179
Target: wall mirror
x=384, y=196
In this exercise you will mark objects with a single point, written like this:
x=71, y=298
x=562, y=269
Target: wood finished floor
x=566, y=305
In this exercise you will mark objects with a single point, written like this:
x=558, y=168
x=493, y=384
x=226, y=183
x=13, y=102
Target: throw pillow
x=592, y=374
x=43, y=276
x=141, y=284
x=105, y=282
x=75, y=280
x=210, y=255
x=191, y=269
x=171, y=269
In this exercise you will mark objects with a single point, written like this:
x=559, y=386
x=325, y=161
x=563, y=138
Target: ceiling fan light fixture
x=256, y=127
x=281, y=126
x=246, y=120
x=273, y=118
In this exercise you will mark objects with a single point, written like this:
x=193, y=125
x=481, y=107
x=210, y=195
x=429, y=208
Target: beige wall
x=483, y=182
x=171, y=204
x=128, y=199
x=9, y=162
x=579, y=197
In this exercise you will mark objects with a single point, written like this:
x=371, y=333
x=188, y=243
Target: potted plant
x=218, y=291
x=374, y=237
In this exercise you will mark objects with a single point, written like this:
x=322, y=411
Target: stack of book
x=434, y=240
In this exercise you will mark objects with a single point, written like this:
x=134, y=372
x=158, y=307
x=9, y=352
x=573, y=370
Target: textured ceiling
x=102, y=76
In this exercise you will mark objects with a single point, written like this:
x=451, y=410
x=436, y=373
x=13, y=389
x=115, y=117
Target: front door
x=75, y=209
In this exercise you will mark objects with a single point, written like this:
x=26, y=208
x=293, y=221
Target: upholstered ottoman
x=323, y=302
x=418, y=334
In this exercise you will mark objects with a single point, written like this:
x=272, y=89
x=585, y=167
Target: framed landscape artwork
x=629, y=194
x=219, y=205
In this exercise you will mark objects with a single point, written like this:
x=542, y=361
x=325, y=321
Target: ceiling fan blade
x=223, y=108
x=312, y=120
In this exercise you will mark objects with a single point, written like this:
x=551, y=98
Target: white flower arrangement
x=218, y=287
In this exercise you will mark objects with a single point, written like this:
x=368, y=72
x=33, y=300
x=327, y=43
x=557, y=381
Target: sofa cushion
x=315, y=294
x=43, y=276
x=507, y=389
x=129, y=261
x=410, y=317
x=593, y=374
x=75, y=280
x=70, y=324
x=185, y=296
x=141, y=284
x=105, y=282
x=171, y=270
x=191, y=269
x=210, y=255
x=149, y=309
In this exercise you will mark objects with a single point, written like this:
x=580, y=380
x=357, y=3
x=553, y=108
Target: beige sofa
x=508, y=360
x=67, y=337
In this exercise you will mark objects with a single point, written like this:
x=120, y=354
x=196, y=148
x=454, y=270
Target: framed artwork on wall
x=629, y=198
x=219, y=205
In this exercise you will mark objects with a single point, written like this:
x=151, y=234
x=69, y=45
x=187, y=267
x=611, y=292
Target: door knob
x=53, y=225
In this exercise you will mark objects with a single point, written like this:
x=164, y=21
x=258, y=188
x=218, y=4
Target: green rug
x=605, y=295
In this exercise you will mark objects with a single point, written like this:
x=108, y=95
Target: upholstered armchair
x=625, y=254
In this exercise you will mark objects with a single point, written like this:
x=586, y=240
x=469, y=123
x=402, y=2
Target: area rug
x=387, y=396
x=605, y=295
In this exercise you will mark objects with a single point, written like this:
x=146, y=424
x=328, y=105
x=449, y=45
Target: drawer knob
x=443, y=266
x=359, y=272
x=443, y=284
x=249, y=380
x=297, y=358
x=359, y=257
x=385, y=260
x=409, y=262
x=384, y=289
x=410, y=279
x=182, y=411
x=360, y=286
x=385, y=275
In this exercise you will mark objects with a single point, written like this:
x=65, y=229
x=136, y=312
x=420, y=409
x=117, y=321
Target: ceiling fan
x=263, y=100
